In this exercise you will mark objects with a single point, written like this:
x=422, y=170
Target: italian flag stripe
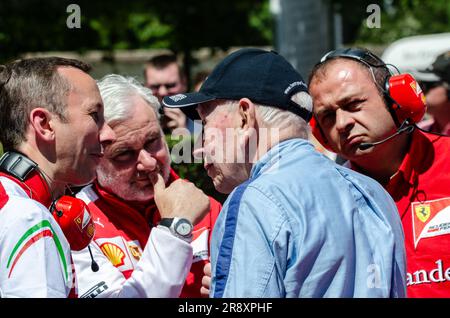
x=30, y=242
x=31, y=236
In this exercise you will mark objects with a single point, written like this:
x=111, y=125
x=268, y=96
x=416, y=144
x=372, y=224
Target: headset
x=72, y=214
x=402, y=93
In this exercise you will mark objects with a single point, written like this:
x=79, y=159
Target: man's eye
x=123, y=156
x=327, y=119
x=150, y=145
x=95, y=116
x=354, y=105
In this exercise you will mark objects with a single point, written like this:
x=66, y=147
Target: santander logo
x=438, y=274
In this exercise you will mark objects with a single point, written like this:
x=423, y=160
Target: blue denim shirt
x=303, y=226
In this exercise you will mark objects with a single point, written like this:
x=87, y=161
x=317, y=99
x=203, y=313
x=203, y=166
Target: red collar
x=417, y=160
x=35, y=186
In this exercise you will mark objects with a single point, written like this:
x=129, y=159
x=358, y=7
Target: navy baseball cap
x=264, y=77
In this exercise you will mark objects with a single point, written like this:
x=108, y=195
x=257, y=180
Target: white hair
x=276, y=117
x=117, y=92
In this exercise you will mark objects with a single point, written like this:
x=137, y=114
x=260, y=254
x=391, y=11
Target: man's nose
x=344, y=121
x=106, y=135
x=146, y=161
x=206, y=153
x=162, y=91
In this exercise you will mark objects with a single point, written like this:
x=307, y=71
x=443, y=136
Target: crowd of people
x=295, y=223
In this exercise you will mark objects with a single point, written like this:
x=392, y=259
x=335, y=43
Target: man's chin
x=143, y=192
x=222, y=187
x=139, y=199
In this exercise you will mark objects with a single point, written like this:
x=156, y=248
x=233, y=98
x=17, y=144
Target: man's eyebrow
x=346, y=99
x=323, y=111
x=340, y=102
x=95, y=106
x=127, y=144
x=119, y=147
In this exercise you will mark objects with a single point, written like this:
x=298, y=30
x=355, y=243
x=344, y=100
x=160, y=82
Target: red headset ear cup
x=318, y=133
x=75, y=220
x=405, y=91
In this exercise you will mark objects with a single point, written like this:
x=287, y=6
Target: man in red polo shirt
x=355, y=114
x=122, y=203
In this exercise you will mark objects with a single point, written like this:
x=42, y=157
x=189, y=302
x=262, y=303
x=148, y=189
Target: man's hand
x=181, y=199
x=206, y=281
x=175, y=118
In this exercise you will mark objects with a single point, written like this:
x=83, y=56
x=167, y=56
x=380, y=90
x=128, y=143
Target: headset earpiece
x=74, y=218
x=72, y=214
x=409, y=99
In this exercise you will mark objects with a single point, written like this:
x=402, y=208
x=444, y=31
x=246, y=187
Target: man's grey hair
x=117, y=92
x=276, y=117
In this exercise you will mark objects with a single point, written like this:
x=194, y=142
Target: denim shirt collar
x=270, y=159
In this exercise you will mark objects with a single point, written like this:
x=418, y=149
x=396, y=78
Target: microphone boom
x=404, y=127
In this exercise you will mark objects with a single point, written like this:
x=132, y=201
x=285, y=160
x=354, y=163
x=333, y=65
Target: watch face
x=183, y=227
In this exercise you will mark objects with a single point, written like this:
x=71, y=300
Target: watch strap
x=166, y=222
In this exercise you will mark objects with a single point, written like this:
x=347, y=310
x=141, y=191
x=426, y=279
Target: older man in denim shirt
x=295, y=224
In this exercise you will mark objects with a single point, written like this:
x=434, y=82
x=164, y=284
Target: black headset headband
x=17, y=165
x=364, y=56
x=370, y=60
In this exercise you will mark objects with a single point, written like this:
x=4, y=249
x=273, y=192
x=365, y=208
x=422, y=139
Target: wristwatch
x=179, y=227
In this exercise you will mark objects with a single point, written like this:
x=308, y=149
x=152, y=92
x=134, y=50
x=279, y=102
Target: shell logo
x=113, y=253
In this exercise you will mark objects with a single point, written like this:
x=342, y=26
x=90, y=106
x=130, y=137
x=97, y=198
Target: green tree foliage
x=353, y=15
x=180, y=25
x=402, y=18
x=399, y=18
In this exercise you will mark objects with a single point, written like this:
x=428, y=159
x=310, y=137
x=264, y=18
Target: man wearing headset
x=368, y=116
x=52, y=129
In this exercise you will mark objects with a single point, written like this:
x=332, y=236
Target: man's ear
x=247, y=112
x=42, y=121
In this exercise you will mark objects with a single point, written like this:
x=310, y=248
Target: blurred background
x=120, y=36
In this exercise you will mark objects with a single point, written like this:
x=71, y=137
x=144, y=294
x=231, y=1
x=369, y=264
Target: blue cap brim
x=187, y=102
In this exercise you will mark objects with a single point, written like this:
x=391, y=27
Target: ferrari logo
x=423, y=212
x=135, y=251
